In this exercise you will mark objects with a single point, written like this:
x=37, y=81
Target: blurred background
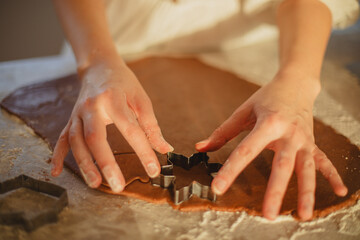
x=28, y=29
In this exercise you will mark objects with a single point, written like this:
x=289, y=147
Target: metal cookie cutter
x=167, y=179
x=36, y=220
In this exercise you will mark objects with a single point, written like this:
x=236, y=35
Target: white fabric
x=192, y=26
x=344, y=12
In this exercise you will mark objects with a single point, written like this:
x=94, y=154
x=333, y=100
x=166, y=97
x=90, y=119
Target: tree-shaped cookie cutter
x=46, y=216
x=166, y=179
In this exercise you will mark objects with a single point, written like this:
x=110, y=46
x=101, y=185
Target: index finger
x=135, y=136
x=243, y=154
x=237, y=122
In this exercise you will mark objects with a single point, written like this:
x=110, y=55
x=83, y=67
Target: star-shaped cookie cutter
x=166, y=179
x=45, y=216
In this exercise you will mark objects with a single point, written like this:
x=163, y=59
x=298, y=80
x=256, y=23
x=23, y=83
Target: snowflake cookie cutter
x=167, y=179
x=33, y=221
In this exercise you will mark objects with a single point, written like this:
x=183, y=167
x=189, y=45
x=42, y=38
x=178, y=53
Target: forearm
x=85, y=26
x=304, y=26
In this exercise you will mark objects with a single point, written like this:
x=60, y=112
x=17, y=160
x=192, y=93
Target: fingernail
x=113, y=181
x=115, y=184
x=53, y=169
x=308, y=207
x=202, y=144
x=90, y=178
x=152, y=169
x=307, y=211
x=343, y=191
x=272, y=214
x=219, y=186
x=171, y=148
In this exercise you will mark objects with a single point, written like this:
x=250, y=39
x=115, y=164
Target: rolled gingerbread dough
x=190, y=100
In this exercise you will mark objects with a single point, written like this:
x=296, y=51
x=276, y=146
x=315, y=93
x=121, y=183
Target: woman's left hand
x=280, y=116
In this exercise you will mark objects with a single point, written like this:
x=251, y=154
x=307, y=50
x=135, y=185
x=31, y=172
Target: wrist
x=99, y=57
x=297, y=67
x=300, y=79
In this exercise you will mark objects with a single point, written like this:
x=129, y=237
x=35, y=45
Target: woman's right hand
x=110, y=93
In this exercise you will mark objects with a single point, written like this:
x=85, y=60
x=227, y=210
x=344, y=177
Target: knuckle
x=153, y=135
x=321, y=161
x=320, y=155
x=219, y=136
x=283, y=163
x=221, y=140
x=72, y=135
x=274, y=123
x=91, y=137
x=244, y=151
x=273, y=120
x=131, y=131
x=308, y=164
x=93, y=101
x=106, y=94
x=227, y=170
x=90, y=102
x=330, y=173
x=218, y=131
x=151, y=128
x=83, y=162
x=63, y=136
x=143, y=104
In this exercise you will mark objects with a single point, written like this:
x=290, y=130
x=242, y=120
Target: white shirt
x=192, y=26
